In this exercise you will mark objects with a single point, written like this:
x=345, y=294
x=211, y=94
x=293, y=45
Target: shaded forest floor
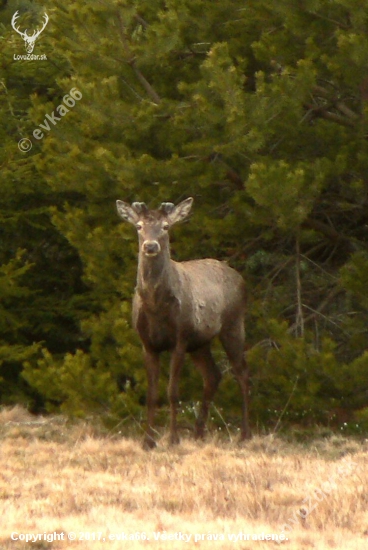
x=61, y=477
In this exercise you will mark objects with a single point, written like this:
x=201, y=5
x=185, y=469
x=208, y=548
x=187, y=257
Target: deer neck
x=154, y=278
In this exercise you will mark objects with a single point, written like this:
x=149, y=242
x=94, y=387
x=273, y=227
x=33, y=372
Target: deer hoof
x=149, y=443
x=174, y=439
x=246, y=436
x=199, y=432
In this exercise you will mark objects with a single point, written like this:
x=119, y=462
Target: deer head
x=29, y=40
x=153, y=225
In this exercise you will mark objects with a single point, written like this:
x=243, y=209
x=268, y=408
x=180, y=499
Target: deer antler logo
x=29, y=40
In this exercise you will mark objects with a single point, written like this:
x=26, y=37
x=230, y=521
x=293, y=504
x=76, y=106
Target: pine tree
x=40, y=273
x=259, y=112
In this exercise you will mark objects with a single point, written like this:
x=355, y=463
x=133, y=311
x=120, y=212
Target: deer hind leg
x=233, y=341
x=176, y=365
x=152, y=364
x=203, y=360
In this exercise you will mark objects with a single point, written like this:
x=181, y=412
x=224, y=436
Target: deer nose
x=151, y=248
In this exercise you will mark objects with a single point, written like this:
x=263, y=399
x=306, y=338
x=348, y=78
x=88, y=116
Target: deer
x=180, y=307
x=29, y=40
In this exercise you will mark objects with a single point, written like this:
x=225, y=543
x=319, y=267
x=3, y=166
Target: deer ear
x=127, y=212
x=181, y=210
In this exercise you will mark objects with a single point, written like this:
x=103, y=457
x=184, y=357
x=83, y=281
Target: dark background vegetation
x=257, y=109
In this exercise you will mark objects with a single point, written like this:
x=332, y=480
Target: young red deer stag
x=180, y=307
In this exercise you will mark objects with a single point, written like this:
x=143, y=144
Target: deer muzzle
x=151, y=248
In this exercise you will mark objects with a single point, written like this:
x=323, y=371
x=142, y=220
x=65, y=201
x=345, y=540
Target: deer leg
x=234, y=344
x=176, y=364
x=152, y=364
x=211, y=374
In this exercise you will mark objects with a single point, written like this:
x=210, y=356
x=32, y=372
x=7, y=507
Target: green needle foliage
x=259, y=111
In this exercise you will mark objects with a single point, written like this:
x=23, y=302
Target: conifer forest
x=256, y=109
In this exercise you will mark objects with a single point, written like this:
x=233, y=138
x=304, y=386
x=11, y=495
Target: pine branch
x=338, y=24
x=347, y=111
x=146, y=85
x=318, y=312
x=349, y=116
x=10, y=107
x=142, y=21
x=299, y=317
x=132, y=61
x=323, y=112
x=330, y=232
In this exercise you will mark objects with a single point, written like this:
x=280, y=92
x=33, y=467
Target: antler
x=167, y=207
x=24, y=34
x=14, y=18
x=29, y=40
x=37, y=33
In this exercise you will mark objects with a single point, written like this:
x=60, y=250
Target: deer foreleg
x=233, y=341
x=152, y=364
x=243, y=380
x=176, y=364
x=211, y=374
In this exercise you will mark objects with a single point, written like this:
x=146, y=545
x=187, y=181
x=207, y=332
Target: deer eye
x=139, y=226
x=165, y=226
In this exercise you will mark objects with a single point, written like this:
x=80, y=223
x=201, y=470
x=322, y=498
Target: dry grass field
x=60, y=478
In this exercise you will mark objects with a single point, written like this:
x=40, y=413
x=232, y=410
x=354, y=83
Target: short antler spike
x=167, y=207
x=140, y=207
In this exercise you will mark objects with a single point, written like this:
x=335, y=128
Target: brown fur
x=180, y=307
